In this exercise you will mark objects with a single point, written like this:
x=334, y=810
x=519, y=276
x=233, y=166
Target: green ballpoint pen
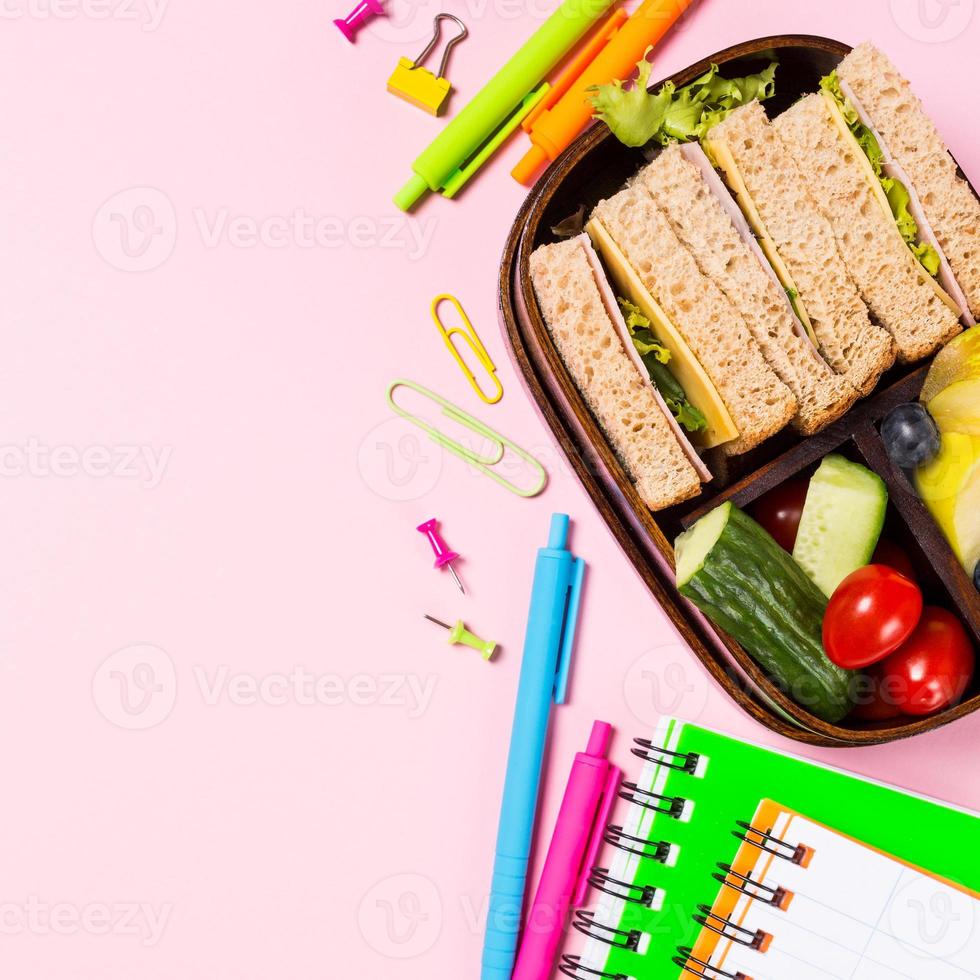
x=500, y=106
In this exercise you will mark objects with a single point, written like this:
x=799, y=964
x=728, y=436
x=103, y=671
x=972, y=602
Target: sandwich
x=703, y=215
x=891, y=261
x=746, y=399
x=799, y=243
x=913, y=153
x=583, y=316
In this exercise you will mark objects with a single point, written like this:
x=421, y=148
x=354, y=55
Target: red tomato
x=779, y=511
x=877, y=697
x=871, y=613
x=933, y=667
x=888, y=553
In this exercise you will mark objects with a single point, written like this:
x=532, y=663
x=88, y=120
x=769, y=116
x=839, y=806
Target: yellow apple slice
x=950, y=487
x=959, y=360
x=957, y=408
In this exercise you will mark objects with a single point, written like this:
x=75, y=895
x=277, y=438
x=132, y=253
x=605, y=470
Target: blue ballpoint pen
x=544, y=677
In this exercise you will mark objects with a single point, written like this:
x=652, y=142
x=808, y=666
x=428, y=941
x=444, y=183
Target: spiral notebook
x=817, y=904
x=700, y=808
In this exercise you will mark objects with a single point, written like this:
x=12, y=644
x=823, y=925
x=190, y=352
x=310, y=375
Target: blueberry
x=910, y=435
x=976, y=576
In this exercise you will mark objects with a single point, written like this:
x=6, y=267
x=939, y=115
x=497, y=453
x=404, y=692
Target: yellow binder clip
x=485, y=464
x=469, y=334
x=415, y=84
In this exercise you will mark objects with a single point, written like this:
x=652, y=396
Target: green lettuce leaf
x=639, y=327
x=637, y=116
x=896, y=192
x=898, y=199
x=655, y=358
x=687, y=415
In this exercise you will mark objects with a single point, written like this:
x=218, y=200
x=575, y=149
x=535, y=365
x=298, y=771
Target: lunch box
x=594, y=167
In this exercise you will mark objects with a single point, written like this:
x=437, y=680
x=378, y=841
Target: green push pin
x=460, y=634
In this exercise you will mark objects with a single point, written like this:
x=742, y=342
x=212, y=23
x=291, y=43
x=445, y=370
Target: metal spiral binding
x=572, y=967
x=772, y=845
x=745, y=884
x=669, y=806
x=620, y=938
x=687, y=961
x=757, y=939
x=616, y=836
x=763, y=893
x=689, y=765
x=601, y=880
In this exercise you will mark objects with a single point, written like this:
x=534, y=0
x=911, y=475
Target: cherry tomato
x=933, y=667
x=890, y=554
x=779, y=511
x=877, y=696
x=871, y=613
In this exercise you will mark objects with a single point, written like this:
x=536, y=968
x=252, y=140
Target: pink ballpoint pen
x=582, y=818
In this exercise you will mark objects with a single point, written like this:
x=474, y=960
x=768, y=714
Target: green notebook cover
x=730, y=779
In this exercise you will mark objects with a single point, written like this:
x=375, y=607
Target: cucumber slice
x=841, y=523
x=693, y=546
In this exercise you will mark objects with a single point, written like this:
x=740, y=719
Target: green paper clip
x=482, y=463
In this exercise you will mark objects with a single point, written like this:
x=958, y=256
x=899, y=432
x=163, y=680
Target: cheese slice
x=838, y=116
x=722, y=155
x=685, y=367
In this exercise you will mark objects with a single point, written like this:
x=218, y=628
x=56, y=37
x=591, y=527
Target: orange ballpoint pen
x=612, y=53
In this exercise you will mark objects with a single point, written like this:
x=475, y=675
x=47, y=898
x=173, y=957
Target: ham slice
x=616, y=315
x=892, y=168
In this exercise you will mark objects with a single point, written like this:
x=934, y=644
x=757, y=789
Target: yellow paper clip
x=414, y=83
x=484, y=464
x=469, y=334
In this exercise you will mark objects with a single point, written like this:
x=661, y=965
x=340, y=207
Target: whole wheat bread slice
x=759, y=403
x=883, y=267
x=804, y=238
x=951, y=207
x=620, y=399
x=699, y=219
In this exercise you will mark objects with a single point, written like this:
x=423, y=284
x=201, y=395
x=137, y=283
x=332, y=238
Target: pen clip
x=454, y=183
x=568, y=632
x=579, y=63
x=596, y=840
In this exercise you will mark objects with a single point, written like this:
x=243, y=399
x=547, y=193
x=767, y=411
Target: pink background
x=172, y=808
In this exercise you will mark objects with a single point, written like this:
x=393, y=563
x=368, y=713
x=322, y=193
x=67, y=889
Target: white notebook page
x=855, y=914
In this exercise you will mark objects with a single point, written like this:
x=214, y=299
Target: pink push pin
x=354, y=21
x=443, y=555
